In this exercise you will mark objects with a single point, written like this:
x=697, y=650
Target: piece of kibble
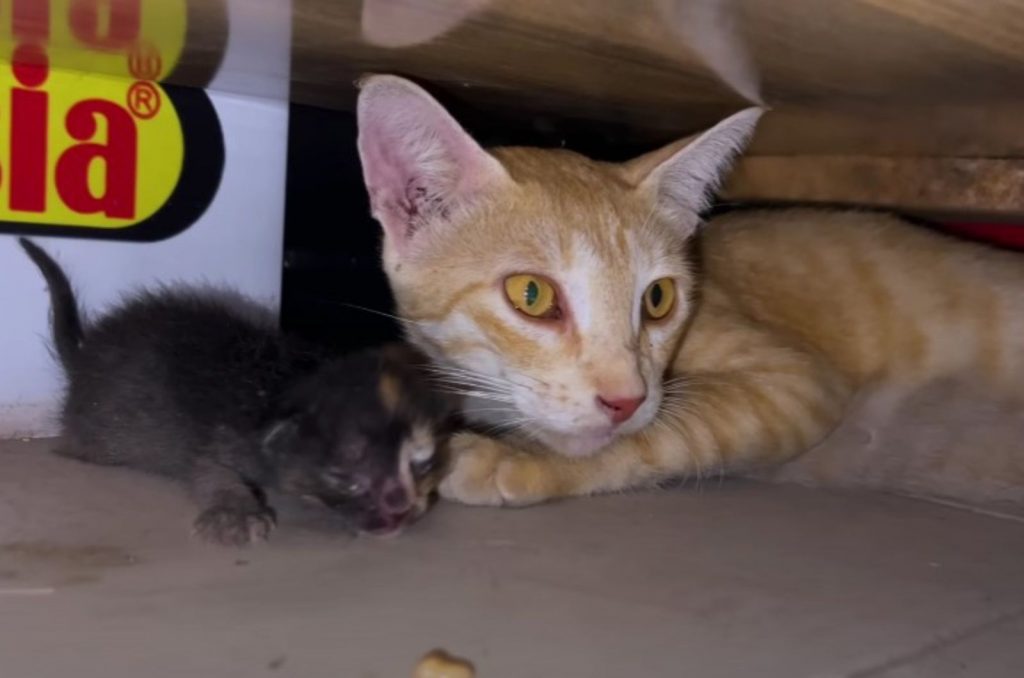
x=440, y=664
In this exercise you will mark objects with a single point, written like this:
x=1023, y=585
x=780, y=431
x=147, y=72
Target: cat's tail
x=67, y=323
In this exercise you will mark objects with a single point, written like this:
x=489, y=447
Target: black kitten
x=198, y=385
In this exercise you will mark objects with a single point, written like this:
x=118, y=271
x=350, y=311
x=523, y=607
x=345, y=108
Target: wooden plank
x=941, y=129
x=927, y=76
x=939, y=187
x=906, y=104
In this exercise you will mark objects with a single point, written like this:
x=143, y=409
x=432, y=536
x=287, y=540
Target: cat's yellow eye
x=532, y=295
x=659, y=298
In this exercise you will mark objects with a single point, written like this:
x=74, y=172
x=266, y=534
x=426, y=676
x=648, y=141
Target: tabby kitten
x=560, y=295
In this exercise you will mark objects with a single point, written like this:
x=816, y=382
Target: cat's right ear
x=682, y=176
x=419, y=165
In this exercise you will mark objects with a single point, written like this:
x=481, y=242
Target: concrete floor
x=98, y=577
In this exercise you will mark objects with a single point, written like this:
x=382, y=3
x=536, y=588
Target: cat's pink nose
x=620, y=409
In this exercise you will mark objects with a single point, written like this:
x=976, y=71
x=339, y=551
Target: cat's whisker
x=522, y=385
x=480, y=410
x=461, y=375
x=460, y=384
x=487, y=388
x=451, y=381
x=480, y=390
x=480, y=394
x=677, y=408
x=673, y=426
x=650, y=216
x=404, y=321
x=469, y=379
x=687, y=382
x=470, y=384
x=518, y=426
x=463, y=372
x=536, y=380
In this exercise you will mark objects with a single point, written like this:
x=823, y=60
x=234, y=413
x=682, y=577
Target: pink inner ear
x=388, y=174
x=417, y=162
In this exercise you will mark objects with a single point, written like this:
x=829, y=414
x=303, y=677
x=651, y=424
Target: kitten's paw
x=233, y=525
x=487, y=472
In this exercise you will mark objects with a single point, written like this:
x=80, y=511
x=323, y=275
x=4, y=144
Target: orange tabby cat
x=606, y=347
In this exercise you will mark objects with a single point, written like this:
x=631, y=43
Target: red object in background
x=1000, y=235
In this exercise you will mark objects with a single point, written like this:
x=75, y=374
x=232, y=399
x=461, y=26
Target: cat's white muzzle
x=580, y=445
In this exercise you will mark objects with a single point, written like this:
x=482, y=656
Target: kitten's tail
x=67, y=324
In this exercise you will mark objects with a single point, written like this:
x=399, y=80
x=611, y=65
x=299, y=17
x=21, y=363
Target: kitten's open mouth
x=387, y=525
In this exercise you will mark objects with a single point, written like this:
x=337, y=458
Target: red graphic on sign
x=30, y=20
x=119, y=156
x=28, y=116
x=144, y=100
x=30, y=64
x=106, y=24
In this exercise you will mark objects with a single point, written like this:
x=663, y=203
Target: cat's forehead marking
x=576, y=287
x=599, y=289
x=621, y=239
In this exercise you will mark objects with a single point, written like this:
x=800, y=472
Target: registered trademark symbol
x=144, y=99
x=144, y=62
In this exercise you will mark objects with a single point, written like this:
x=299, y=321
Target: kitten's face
x=552, y=290
x=559, y=300
x=362, y=438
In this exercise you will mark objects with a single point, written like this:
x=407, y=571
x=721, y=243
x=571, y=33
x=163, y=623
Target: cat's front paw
x=234, y=525
x=487, y=472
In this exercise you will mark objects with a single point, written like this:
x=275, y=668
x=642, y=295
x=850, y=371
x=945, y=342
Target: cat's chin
x=579, y=445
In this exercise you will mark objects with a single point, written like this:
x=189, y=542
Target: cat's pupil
x=656, y=295
x=531, y=294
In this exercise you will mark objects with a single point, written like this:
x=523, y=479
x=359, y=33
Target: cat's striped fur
x=783, y=318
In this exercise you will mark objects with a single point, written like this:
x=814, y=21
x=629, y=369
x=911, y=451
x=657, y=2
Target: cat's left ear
x=419, y=165
x=682, y=176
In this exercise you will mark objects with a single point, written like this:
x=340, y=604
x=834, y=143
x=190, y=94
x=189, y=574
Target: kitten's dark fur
x=199, y=386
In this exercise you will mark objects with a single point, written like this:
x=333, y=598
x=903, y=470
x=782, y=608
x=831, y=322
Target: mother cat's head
x=552, y=288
